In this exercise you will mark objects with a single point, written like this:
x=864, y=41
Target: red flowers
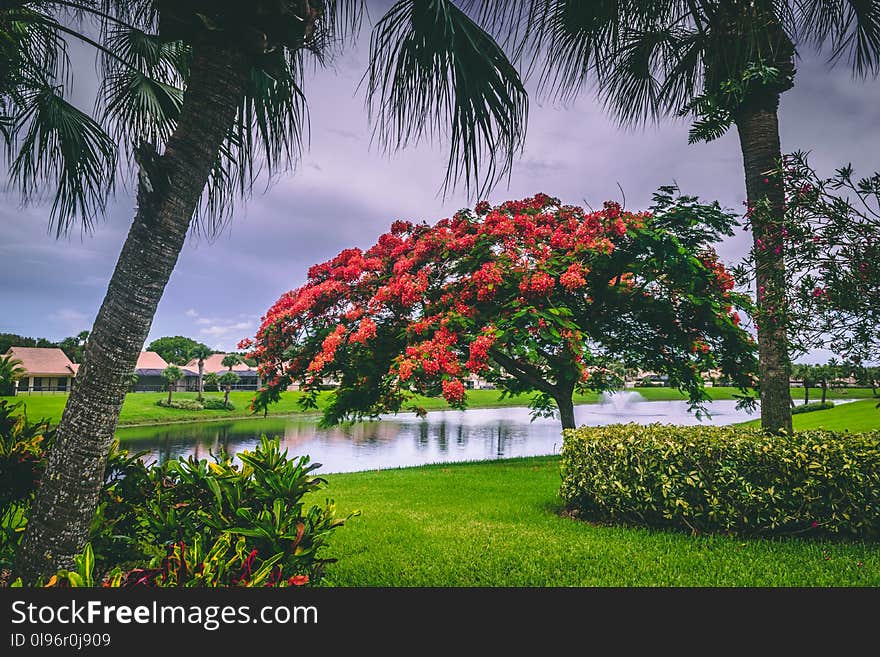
x=298, y=580
x=573, y=278
x=433, y=303
x=453, y=391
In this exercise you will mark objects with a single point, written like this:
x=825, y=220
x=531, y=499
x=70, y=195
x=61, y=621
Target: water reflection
x=403, y=440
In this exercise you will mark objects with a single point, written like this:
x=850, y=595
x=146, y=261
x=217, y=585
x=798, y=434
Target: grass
x=498, y=524
x=856, y=416
x=140, y=408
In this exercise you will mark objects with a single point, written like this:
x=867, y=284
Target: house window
x=62, y=384
x=38, y=383
x=23, y=384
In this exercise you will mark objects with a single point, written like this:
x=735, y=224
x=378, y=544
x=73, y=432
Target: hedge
x=730, y=480
x=812, y=406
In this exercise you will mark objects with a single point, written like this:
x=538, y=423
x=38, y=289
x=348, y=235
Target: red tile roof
x=43, y=361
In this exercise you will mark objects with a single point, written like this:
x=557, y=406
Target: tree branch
x=525, y=371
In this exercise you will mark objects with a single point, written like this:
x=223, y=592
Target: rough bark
x=168, y=194
x=759, y=139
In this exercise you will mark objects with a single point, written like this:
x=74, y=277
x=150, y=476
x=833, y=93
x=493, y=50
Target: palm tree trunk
x=66, y=499
x=806, y=394
x=824, y=391
x=201, y=378
x=226, y=396
x=758, y=128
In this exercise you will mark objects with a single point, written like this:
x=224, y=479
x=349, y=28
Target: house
x=248, y=378
x=149, y=368
x=46, y=369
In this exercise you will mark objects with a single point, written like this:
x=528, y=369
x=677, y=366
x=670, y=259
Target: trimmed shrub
x=812, y=406
x=182, y=404
x=217, y=405
x=730, y=480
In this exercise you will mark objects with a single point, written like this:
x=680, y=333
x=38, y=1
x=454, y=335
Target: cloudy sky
x=345, y=193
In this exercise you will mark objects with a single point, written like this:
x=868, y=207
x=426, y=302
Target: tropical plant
x=10, y=372
x=533, y=295
x=231, y=360
x=196, y=93
x=227, y=380
x=725, y=62
x=171, y=375
x=212, y=380
x=806, y=374
x=200, y=353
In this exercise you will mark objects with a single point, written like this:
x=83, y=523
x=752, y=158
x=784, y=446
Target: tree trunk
x=824, y=391
x=566, y=411
x=806, y=395
x=201, y=378
x=759, y=139
x=226, y=396
x=169, y=394
x=168, y=194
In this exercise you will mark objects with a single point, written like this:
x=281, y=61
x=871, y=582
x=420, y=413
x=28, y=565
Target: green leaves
x=58, y=144
x=729, y=480
x=434, y=72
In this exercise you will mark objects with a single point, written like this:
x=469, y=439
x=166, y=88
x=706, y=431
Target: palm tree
x=201, y=353
x=171, y=375
x=212, y=381
x=725, y=61
x=228, y=380
x=198, y=93
x=10, y=372
x=808, y=376
x=231, y=360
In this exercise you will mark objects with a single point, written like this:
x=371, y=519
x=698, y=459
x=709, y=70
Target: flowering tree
x=832, y=229
x=533, y=295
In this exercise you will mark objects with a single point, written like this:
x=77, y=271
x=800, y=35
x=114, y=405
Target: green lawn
x=856, y=416
x=140, y=408
x=497, y=524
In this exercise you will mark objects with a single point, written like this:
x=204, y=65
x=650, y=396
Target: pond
x=405, y=439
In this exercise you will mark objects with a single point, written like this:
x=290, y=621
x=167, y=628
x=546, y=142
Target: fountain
x=620, y=400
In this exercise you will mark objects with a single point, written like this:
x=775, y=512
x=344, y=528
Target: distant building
x=149, y=368
x=46, y=369
x=248, y=378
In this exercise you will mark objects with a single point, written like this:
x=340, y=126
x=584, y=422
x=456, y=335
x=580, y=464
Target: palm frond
x=434, y=72
x=141, y=91
x=59, y=145
x=850, y=27
x=268, y=134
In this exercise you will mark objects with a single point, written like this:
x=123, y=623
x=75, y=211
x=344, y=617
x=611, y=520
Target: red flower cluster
x=573, y=278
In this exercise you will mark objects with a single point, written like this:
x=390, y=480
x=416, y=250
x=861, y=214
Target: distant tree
x=74, y=346
x=175, y=349
x=132, y=380
x=808, y=377
x=171, y=375
x=228, y=380
x=8, y=340
x=201, y=353
x=868, y=376
x=10, y=372
x=212, y=380
x=231, y=360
